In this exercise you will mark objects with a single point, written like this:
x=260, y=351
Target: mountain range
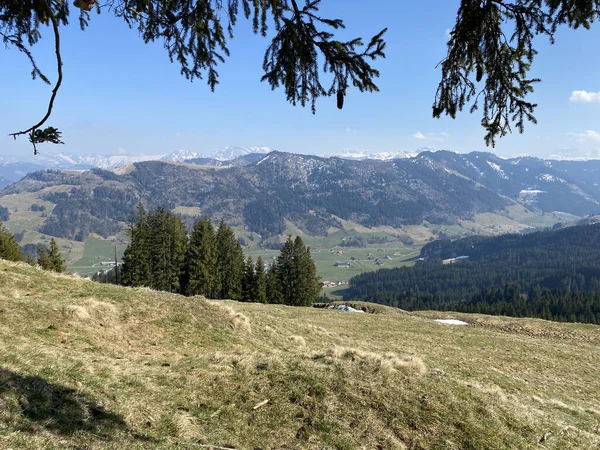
x=13, y=169
x=263, y=192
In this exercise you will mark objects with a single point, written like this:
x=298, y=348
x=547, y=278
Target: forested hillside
x=314, y=193
x=552, y=274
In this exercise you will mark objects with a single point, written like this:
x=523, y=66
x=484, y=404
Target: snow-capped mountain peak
x=381, y=156
x=180, y=155
x=228, y=153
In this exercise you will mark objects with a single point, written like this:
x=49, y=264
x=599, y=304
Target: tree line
x=556, y=274
x=544, y=303
x=48, y=258
x=210, y=262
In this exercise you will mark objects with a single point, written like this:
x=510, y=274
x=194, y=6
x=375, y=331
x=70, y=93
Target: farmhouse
x=342, y=264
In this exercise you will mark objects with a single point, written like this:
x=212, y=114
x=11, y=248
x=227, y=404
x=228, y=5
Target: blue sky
x=123, y=96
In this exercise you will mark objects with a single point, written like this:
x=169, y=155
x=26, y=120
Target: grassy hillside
x=84, y=365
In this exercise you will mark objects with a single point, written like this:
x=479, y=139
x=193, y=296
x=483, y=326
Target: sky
x=121, y=96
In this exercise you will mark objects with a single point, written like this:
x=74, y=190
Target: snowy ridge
x=381, y=156
x=498, y=169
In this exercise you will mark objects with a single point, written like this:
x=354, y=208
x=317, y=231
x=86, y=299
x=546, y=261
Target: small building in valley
x=458, y=259
x=342, y=264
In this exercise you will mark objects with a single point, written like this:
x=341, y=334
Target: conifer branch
x=483, y=62
x=49, y=134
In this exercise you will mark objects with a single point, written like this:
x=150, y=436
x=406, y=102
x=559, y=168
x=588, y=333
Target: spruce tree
x=296, y=273
x=177, y=252
x=230, y=260
x=274, y=294
x=249, y=281
x=136, y=268
x=9, y=249
x=57, y=262
x=260, y=282
x=287, y=272
x=167, y=246
x=43, y=259
x=202, y=277
x=308, y=285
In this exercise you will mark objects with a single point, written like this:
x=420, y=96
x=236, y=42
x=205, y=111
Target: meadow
x=85, y=365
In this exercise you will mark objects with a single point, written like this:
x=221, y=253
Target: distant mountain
x=260, y=192
x=229, y=153
x=568, y=186
x=573, y=154
x=11, y=172
x=238, y=161
x=13, y=169
x=179, y=156
x=382, y=156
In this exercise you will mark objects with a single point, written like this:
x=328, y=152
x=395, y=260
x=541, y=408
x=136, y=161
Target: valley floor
x=84, y=365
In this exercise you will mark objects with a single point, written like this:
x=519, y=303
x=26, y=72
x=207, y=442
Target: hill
x=557, y=271
x=393, y=205
x=316, y=193
x=85, y=365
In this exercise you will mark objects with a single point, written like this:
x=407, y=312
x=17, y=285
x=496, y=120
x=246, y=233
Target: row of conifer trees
x=211, y=263
x=48, y=258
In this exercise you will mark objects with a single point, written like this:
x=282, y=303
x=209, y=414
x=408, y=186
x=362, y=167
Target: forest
x=553, y=275
x=208, y=262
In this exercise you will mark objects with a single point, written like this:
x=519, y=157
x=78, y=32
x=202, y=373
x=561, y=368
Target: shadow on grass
x=56, y=408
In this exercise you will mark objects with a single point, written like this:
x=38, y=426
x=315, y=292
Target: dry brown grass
x=84, y=365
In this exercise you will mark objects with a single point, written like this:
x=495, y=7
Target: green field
x=95, y=252
x=327, y=250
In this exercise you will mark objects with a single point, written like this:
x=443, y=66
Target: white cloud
x=430, y=136
x=587, y=135
x=350, y=130
x=585, y=97
x=448, y=33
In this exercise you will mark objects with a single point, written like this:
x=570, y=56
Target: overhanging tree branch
x=482, y=62
x=50, y=134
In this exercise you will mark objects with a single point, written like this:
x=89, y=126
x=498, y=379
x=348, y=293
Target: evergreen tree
x=308, y=284
x=43, y=258
x=249, y=288
x=260, y=282
x=230, y=262
x=57, y=262
x=274, y=294
x=287, y=273
x=202, y=277
x=9, y=249
x=167, y=245
x=136, y=268
x=297, y=274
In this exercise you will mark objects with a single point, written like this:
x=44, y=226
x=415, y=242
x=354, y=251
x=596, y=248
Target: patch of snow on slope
x=475, y=168
x=498, y=169
x=550, y=178
x=263, y=160
x=451, y=321
x=531, y=192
